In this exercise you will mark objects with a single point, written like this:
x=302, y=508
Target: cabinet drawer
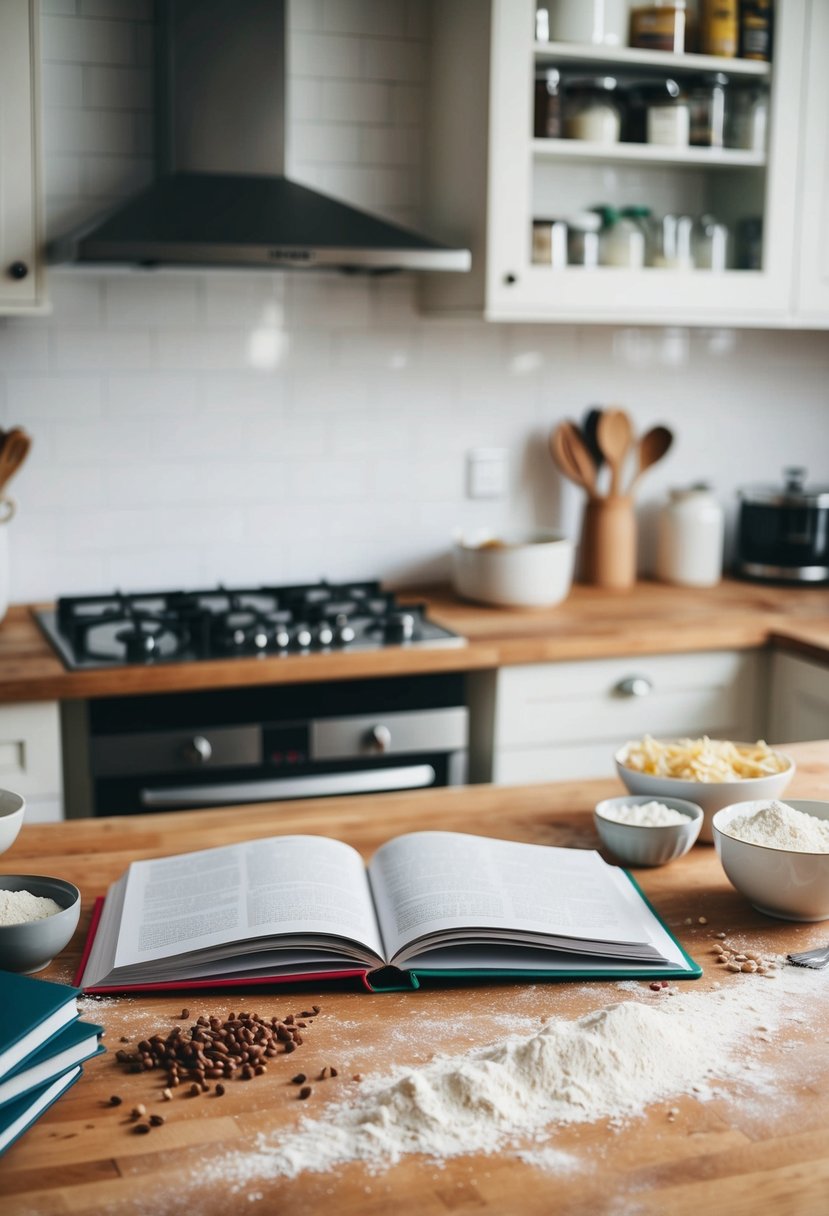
x=30, y=749
x=556, y=703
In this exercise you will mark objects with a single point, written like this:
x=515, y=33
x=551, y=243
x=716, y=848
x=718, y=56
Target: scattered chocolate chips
x=184, y=1015
x=299, y=1079
x=141, y=1129
x=115, y=1100
x=305, y=1092
x=156, y=1120
x=220, y=1090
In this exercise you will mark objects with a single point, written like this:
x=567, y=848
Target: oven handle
x=365, y=781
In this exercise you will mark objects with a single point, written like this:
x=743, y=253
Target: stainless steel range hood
x=220, y=197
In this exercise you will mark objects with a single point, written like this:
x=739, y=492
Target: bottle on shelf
x=719, y=28
x=624, y=237
x=673, y=244
x=592, y=110
x=748, y=117
x=756, y=18
x=708, y=100
x=548, y=115
x=711, y=244
x=662, y=26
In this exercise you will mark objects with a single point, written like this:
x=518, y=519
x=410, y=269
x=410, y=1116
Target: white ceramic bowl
x=31, y=947
x=12, y=809
x=792, y=886
x=527, y=572
x=710, y=795
x=642, y=844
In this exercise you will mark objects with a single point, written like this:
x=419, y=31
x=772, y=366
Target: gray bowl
x=31, y=947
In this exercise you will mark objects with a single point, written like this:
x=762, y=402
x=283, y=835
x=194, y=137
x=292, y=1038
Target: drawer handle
x=633, y=686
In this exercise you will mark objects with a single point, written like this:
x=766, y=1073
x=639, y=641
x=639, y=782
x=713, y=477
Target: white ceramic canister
x=690, y=538
x=600, y=22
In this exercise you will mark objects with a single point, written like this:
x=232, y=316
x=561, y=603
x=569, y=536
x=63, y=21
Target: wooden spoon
x=13, y=451
x=652, y=446
x=570, y=454
x=614, y=434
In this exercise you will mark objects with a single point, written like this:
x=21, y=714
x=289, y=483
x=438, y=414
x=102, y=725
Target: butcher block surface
x=680, y=1156
x=653, y=618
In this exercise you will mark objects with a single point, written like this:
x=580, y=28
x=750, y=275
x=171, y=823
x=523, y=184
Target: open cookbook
x=429, y=904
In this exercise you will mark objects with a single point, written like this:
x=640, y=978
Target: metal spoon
x=652, y=446
x=615, y=436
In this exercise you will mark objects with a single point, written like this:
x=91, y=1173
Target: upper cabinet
x=712, y=173
x=22, y=286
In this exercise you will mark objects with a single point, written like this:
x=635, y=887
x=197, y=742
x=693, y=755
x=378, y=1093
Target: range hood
x=220, y=197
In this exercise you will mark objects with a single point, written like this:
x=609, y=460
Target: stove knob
x=378, y=739
x=260, y=640
x=303, y=637
x=282, y=638
x=198, y=751
x=325, y=635
x=238, y=637
x=399, y=627
x=344, y=634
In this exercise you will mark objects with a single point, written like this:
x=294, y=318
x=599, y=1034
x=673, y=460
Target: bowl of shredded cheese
x=711, y=772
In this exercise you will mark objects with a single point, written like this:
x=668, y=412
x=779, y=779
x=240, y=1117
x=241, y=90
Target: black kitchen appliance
x=153, y=627
x=268, y=742
x=783, y=531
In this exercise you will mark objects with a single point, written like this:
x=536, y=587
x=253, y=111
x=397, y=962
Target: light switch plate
x=486, y=473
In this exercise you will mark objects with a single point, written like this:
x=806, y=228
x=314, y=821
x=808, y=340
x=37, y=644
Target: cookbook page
x=292, y=885
x=434, y=882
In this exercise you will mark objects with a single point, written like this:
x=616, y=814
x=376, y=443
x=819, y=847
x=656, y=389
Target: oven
x=172, y=751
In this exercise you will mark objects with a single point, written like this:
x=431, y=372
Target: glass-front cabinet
x=599, y=182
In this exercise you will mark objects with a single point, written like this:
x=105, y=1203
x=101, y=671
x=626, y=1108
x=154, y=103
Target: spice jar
x=548, y=113
x=667, y=116
x=659, y=26
x=624, y=237
x=711, y=244
x=750, y=243
x=673, y=243
x=690, y=533
x=748, y=116
x=719, y=27
x=583, y=239
x=550, y=243
x=592, y=111
x=707, y=104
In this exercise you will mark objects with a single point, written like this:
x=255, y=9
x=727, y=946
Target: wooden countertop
x=591, y=623
x=771, y=1157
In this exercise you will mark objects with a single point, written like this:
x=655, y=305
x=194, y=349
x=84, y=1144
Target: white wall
x=200, y=426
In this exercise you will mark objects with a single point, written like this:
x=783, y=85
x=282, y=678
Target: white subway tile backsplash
x=241, y=426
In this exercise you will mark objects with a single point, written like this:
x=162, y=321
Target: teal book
x=31, y=1013
x=428, y=906
x=27, y=1109
x=77, y=1042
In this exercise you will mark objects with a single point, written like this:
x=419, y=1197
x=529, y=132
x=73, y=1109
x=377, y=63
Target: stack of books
x=43, y=1045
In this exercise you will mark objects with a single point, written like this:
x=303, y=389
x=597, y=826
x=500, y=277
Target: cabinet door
x=799, y=702
x=21, y=271
x=813, y=286
x=30, y=757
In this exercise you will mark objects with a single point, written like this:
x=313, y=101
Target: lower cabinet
x=556, y=721
x=30, y=762
x=798, y=699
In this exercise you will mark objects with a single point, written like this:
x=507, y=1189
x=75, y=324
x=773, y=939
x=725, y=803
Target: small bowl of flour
x=776, y=854
x=643, y=831
x=38, y=916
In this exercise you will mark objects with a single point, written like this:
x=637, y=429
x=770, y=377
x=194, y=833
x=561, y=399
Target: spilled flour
x=610, y=1064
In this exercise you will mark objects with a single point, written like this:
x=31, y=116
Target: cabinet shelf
x=633, y=57
x=646, y=154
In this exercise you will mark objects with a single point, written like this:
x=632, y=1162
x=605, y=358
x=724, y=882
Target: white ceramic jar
x=690, y=538
x=601, y=22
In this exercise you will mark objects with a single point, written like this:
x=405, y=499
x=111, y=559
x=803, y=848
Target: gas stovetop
x=155, y=627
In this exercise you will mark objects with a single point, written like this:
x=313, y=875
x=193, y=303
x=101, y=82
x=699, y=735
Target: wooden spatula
x=614, y=434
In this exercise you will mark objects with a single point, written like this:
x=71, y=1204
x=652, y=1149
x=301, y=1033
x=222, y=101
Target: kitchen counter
x=769, y=1156
x=591, y=623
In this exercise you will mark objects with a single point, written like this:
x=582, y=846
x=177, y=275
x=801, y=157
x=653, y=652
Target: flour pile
x=23, y=908
x=780, y=826
x=612, y=1064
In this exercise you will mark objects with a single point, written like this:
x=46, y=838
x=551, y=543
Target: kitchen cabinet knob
x=199, y=750
x=379, y=738
x=510, y=278
x=633, y=686
x=18, y=270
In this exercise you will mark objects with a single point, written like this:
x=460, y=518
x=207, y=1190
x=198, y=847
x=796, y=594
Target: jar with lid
x=690, y=535
x=668, y=117
x=550, y=243
x=583, y=239
x=750, y=243
x=748, y=116
x=673, y=243
x=600, y=22
x=707, y=100
x=624, y=237
x=547, y=122
x=661, y=26
x=711, y=244
x=592, y=110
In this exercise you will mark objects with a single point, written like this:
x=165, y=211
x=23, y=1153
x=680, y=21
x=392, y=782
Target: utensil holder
x=7, y=510
x=608, y=544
